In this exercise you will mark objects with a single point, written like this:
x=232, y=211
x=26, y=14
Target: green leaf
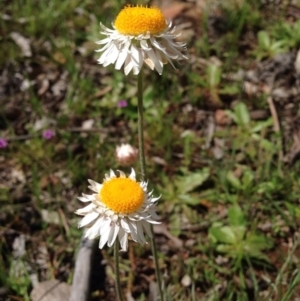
x=225, y=248
x=262, y=125
x=247, y=178
x=277, y=46
x=242, y=114
x=257, y=242
x=213, y=75
x=230, y=90
x=296, y=280
x=233, y=180
x=231, y=115
x=223, y=234
x=259, y=255
x=264, y=39
x=191, y=181
x=236, y=216
x=191, y=215
x=267, y=145
x=175, y=224
x=239, y=232
x=189, y=199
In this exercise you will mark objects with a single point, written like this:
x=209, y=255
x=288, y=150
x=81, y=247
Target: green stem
x=143, y=175
x=117, y=270
x=155, y=257
x=141, y=126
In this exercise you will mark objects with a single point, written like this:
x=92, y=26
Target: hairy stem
x=117, y=270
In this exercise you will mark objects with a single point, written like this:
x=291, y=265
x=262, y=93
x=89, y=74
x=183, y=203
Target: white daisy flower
x=140, y=35
x=120, y=207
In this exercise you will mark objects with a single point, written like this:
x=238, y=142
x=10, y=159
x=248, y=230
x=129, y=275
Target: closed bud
x=126, y=154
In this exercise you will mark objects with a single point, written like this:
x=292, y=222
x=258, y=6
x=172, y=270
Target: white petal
x=94, y=231
x=113, y=234
x=114, y=218
x=122, y=175
x=144, y=45
x=141, y=237
x=156, y=59
x=105, y=226
x=133, y=230
x=121, y=59
x=132, y=175
x=103, y=238
x=90, y=196
x=104, y=41
x=105, y=58
x=85, y=210
x=111, y=56
x=94, y=186
x=153, y=214
x=124, y=225
x=83, y=199
x=147, y=228
x=87, y=219
x=123, y=238
x=153, y=200
x=128, y=65
x=151, y=221
x=136, y=55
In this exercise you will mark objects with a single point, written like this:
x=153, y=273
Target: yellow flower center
x=140, y=20
x=122, y=195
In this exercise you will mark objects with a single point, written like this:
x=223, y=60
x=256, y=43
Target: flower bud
x=126, y=154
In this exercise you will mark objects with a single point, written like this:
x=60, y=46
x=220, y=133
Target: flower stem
x=141, y=126
x=117, y=270
x=143, y=174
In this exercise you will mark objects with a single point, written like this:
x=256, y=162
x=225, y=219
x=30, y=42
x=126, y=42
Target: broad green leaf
x=175, y=224
x=191, y=214
x=277, y=46
x=239, y=232
x=248, y=178
x=242, y=114
x=213, y=75
x=191, y=181
x=259, y=255
x=189, y=199
x=264, y=39
x=267, y=145
x=236, y=216
x=225, y=248
x=265, y=187
x=262, y=125
x=231, y=115
x=232, y=198
x=257, y=242
x=294, y=210
x=230, y=90
x=233, y=180
x=223, y=234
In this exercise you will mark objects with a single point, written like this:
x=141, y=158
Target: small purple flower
x=48, y=134
x=3, y=143
x=122, y=103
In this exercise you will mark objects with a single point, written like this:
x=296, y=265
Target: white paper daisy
x=140, y=35
x=121, y=206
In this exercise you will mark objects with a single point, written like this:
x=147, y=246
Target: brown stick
x=274, y=114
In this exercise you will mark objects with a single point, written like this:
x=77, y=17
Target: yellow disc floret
x=122, y=195
x=140, y=20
